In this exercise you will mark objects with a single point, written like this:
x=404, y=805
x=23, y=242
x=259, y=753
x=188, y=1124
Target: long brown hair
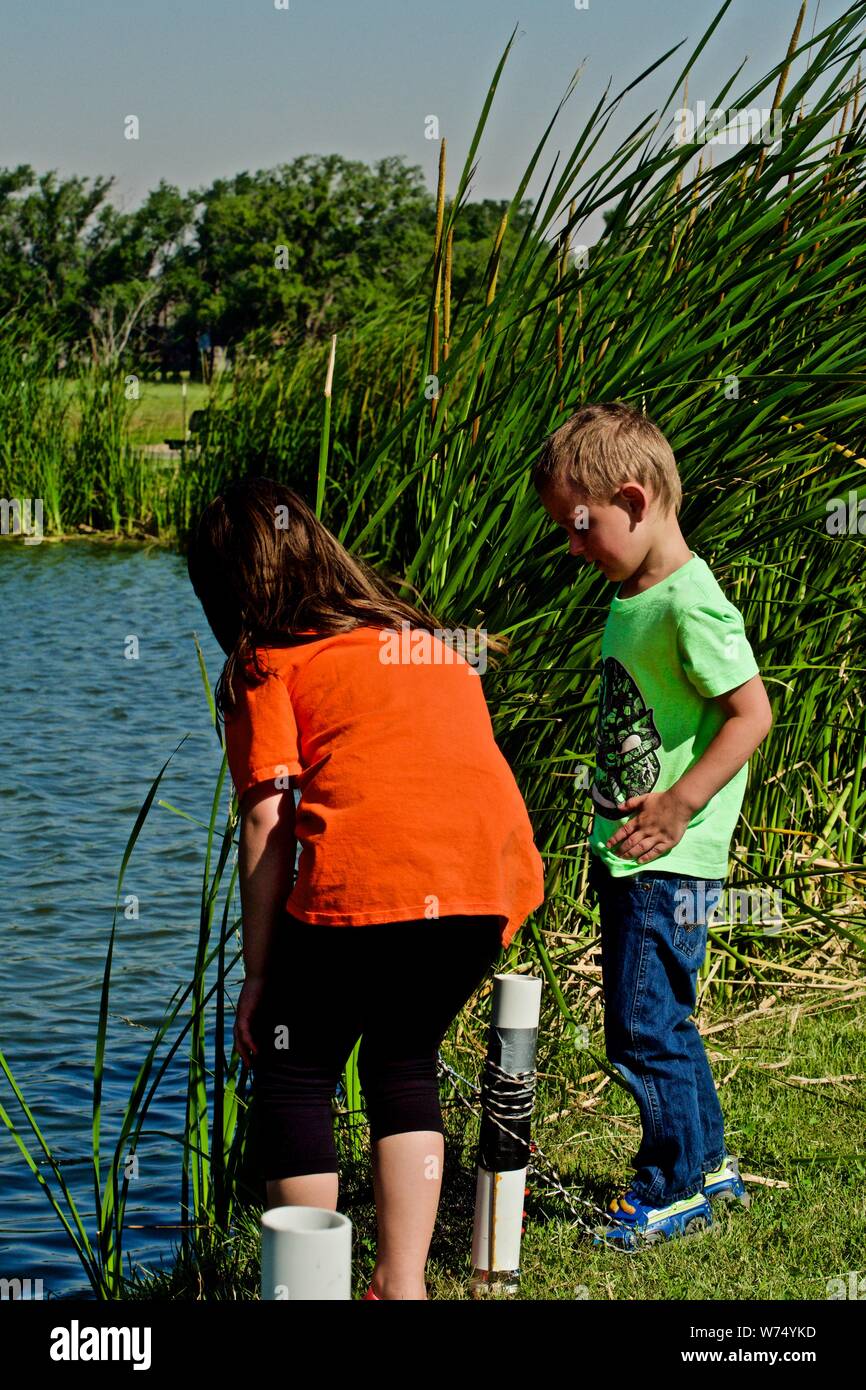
x=267, y=571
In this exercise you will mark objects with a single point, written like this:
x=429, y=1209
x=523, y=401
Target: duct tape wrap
x=507, y=1099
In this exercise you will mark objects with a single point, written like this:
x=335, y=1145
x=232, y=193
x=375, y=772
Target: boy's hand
x=660, y=823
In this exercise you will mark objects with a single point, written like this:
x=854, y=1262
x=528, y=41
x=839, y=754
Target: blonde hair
x=605, y=445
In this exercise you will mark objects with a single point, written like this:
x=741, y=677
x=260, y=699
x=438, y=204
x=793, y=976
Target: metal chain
x=551, y=1178
x=507, y=1095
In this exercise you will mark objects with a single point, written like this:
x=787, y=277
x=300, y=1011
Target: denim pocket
x=695, y=899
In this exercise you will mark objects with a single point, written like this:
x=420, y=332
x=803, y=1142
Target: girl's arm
x=266, y=867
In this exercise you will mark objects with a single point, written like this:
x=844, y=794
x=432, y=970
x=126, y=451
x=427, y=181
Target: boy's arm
x=748, y=720
x=266, y=866
x=662, y=817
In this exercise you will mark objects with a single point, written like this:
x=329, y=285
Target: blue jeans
x=653, y=941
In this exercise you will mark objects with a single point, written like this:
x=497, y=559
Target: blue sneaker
x=725, y=1184
x=634, y=1222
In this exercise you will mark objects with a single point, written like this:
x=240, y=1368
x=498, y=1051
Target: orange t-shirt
x=407, y=806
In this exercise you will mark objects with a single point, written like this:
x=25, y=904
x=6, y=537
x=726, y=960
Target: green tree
x=302, y=248
x=284, y=256
x=43, y=244
x=76, y=264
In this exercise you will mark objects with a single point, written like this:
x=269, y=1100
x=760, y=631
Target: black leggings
x=396, y=985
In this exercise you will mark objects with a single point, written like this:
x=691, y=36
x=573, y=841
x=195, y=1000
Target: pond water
x=85, y=729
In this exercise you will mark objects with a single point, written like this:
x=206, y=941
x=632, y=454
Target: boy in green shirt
x=681, y=710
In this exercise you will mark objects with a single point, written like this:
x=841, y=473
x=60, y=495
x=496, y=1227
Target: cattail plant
x=730, y=303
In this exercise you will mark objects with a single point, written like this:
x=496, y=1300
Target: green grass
x=794, y=1237
x=806, y=1224
x=158, y=413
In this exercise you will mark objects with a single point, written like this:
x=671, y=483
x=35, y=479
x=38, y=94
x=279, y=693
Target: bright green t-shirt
x=665, y=653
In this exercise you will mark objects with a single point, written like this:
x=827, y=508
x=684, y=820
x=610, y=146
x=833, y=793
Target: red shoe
x=371, y=1294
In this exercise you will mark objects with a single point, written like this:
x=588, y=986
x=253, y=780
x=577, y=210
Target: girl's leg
x=426, y=973
x=407, y=1182
x=308, y=1190
x=304, y=1034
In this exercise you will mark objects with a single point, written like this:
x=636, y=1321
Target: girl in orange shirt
x=417, y=862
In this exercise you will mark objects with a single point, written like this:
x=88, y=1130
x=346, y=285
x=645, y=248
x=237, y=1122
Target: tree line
x=283, y=255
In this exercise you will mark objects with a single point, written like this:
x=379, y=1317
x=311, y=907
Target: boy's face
x=610, y=535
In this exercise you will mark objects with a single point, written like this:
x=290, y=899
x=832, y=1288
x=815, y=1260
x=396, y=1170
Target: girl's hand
x=248, y=1002
x=660, y=823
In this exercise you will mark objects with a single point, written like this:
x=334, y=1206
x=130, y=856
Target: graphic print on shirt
x=625, y=740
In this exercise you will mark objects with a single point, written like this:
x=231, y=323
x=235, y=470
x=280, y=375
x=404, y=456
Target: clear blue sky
x=225, y=85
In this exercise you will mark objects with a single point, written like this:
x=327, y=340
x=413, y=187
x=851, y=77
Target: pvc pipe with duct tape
x=507, y=1098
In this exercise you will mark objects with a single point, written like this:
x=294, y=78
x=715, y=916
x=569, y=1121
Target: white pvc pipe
x=306, y=1254
x=498, y=1221
x=500, y=1185
x=516, y=1001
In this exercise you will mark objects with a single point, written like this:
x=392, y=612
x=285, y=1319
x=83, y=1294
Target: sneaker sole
x=725, y=1194
x=692, y=1226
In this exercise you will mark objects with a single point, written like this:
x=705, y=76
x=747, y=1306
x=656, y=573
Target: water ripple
x=107, y=687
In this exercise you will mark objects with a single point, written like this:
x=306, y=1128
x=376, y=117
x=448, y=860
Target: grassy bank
x=791, y=1083
x=726, y=295
x=160, y=411
x=786, y=1041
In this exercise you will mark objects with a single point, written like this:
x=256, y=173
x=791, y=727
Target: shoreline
x=87, y=533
